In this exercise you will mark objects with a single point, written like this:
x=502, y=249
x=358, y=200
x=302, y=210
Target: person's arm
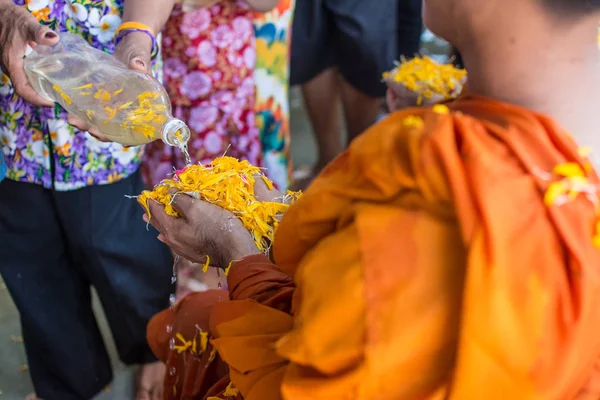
x=262, y=5
x=135, y=49
x=18, y=29
x=153, y=13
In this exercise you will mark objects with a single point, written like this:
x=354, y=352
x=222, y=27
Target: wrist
x=240, y=250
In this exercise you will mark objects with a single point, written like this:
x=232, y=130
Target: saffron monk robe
x=450, y=253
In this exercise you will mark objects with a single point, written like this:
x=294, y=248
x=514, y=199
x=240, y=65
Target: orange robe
x=427, y=266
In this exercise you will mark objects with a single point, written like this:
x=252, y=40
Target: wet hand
x=263, y=193
x=202, y=230
x=18, y=28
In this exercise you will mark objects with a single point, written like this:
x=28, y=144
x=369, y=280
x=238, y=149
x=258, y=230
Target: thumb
x=140, y=61
x=40, y=34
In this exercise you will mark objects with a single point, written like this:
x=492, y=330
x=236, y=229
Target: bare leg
x=322, y=100
x=150, y=380
x=360, y=110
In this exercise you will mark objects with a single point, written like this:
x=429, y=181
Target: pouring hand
x=18, y=28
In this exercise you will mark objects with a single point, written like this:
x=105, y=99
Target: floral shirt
x=38, y=144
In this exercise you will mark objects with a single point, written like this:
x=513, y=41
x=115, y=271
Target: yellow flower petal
x=554, y=192
x=569, y=169
x=412, y=121
x=440, y=109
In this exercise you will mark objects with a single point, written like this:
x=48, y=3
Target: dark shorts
x=362, y=38
x=53, y=247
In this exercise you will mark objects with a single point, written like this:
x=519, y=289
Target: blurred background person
x=65, y=223
x=340, y=50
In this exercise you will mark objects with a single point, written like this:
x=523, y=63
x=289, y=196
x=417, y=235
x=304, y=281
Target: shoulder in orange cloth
x=434, y=259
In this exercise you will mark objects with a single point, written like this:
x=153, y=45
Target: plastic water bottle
x=125, y=106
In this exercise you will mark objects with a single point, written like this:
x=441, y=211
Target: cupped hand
x=135, y=51
x=203, y=229
x=399, y=96
x=18, y=28
x=263, y=193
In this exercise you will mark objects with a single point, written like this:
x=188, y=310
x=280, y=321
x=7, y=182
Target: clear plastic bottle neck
x=176, y=133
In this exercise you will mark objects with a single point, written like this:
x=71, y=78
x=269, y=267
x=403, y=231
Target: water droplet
x=169, y=328
x=172, y=371
x=175, y=262
x=172, y=343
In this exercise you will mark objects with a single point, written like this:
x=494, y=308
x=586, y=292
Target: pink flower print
x=250, y=58
x=251, y=119
x=235, y=59
x=253, y=152
x=174, y=68
x=190, y=51
x=196, y=85
x=223, y=100
x=217, y=75
x=213, y=143
x=243, y=28
x=246, y=89
x=207, y=54
x=167, y=41
x=195, y=22
x=202, y=117
x=222, y=36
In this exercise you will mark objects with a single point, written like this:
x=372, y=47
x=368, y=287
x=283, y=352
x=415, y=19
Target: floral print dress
x=271, y=79
x=209, y=64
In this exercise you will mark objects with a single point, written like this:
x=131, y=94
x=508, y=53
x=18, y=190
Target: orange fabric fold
x=426, y=266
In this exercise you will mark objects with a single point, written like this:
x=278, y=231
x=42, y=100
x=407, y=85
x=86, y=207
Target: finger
x=16, y=73
x=33, y=31
x=86, y=127
x=78, y=123
x=22, y=87
x=140, y=64
x=135, y=51
x=159, y=218
x=263, y=193
x=181, y=202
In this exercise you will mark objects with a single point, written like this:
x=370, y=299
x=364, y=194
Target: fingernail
x=139, y=62
x=161, y=238
x=50, y=35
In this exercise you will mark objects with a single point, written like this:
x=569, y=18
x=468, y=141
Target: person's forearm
x=153, y=13
x=262, y=5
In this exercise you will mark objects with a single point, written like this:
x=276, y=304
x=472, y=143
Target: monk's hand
x=263, y=193
x=202, y=230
